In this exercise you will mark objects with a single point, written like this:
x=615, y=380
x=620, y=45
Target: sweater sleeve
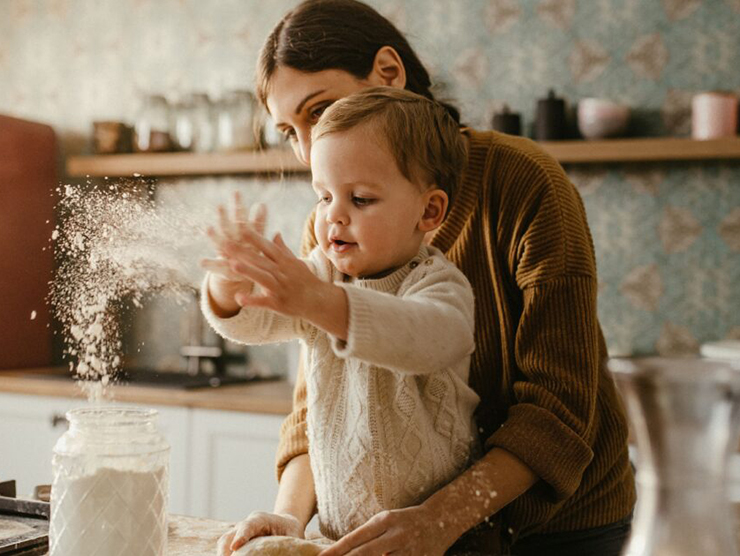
x=293, y=433
x=426, y=329
x=253, y=326
x=556, y=346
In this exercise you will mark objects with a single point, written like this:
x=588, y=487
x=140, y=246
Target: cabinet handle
x=58, y=419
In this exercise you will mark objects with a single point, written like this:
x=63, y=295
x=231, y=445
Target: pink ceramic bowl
x=600, y=118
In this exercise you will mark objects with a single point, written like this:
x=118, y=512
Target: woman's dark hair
x=338, y=34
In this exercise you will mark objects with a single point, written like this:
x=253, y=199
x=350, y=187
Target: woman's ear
x=388, y=69
x=435, y=210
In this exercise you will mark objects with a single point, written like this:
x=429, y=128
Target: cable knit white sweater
x=390, y=412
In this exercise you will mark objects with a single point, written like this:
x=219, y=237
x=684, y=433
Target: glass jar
x=151, y=129
x=182, y=124
x=236, y=122
x=110, y=484
x=204, y=126
x=685, y=416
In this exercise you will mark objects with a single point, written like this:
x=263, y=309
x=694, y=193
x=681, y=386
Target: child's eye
x=324, y=199
x=289, y=134
x=362, y=201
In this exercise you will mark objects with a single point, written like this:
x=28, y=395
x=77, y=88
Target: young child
x=387, y=320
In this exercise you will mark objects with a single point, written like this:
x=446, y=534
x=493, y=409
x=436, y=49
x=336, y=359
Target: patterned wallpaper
x=667, y=235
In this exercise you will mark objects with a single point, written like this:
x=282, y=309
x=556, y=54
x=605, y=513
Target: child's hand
x=258, y=524
x=287, y=284
x=224, y=283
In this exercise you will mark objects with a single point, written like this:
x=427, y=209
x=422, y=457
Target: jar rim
x=111, y=415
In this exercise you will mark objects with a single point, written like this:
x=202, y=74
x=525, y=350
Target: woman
x=555, y=478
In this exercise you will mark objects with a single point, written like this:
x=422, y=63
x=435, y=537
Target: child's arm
x=428, y=328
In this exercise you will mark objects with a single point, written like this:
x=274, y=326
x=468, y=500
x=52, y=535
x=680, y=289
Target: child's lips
x=340, y=246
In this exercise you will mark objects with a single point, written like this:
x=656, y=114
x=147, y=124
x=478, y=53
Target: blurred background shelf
x=185, y=164
x=643, y=150
x=283, y=160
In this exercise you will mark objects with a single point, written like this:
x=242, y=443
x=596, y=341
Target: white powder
x=114, y=247
x=109, y=512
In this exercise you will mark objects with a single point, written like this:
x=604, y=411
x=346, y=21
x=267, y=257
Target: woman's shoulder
x=509, y=150
x=514, y=169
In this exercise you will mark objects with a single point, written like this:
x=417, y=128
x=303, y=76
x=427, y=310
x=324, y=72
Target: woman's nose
x=302, y=147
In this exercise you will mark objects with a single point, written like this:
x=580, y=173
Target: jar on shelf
x=204, y=124
x=110, y=484
x=236, y=122
x=151, y=129
x=182, y=124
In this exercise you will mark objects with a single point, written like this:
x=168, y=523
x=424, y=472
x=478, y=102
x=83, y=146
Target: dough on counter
x=280, y=546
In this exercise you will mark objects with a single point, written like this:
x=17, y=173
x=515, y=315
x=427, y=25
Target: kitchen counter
x=194, y=536
x=191, y=536
x=272, y=397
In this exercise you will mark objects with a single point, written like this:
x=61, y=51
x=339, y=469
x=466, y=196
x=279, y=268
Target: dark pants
x=599, y=541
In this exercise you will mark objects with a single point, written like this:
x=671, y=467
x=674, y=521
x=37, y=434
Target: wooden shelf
x=643, y=150
x=283, y=160
x=184, y=164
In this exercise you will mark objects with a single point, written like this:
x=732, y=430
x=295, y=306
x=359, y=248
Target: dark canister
x=550, y=123
x=507, y=121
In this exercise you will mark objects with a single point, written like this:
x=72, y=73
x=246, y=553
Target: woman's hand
x=413, y=530
x=224, y=283
x=258, y=524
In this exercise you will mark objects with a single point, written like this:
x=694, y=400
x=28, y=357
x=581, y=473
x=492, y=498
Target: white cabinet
x=30, y=426
x=233, y=465
x=222, y=463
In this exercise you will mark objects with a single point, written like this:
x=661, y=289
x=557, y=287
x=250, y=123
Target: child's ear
x=435, y=209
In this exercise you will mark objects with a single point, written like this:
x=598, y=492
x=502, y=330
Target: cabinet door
x=29, y=428
x=233, y=463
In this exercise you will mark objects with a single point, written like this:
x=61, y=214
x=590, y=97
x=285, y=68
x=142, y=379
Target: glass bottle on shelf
x=203, y=122
x=151, y=129
x=235, y=117
x=182, y=124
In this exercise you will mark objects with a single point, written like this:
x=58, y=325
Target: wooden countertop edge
x=271, y=397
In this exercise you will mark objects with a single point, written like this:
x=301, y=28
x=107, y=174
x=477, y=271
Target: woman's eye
x=317, y=111
x=289, y=134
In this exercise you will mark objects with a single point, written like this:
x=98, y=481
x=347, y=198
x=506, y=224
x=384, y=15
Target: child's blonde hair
x=419, y=132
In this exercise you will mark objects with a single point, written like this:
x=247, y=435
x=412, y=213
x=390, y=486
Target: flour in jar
x=109, y=512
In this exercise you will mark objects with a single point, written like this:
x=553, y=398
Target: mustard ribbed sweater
x=518, y=231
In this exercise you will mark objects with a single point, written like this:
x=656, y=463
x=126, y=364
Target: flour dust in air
x=114, y=247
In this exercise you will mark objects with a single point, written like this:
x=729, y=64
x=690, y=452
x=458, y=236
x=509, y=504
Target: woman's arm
x=433, y=526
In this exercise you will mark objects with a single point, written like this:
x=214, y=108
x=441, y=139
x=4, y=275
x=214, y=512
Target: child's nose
x=337, y=215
